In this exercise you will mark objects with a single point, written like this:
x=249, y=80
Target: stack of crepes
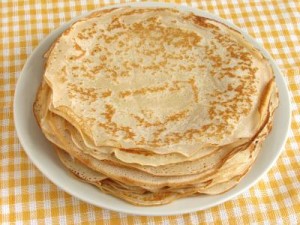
x=154, y=104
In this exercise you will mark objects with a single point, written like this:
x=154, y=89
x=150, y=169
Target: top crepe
x=156, y=79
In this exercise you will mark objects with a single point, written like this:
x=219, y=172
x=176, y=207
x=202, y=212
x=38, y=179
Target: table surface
x=26, y=196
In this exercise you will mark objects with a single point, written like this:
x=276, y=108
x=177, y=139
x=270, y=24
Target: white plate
x=42, y=155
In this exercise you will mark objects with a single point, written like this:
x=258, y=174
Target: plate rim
x=61, y=28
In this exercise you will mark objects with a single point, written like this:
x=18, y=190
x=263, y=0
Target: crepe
x=209, y=74
x=154, y=104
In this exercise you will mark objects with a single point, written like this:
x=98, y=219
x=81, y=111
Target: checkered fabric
x=26, y=196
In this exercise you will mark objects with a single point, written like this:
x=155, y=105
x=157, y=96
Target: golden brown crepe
x=154, y=104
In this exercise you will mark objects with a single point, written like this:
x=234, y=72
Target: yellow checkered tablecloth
x=26, y=196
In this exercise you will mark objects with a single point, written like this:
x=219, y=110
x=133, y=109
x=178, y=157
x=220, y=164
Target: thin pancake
x=154, y=104
x=115, y=106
